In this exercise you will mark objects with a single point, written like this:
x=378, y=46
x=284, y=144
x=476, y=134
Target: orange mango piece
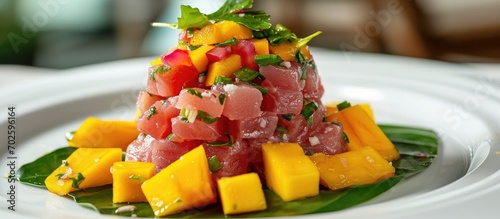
x=97, y=133
x=220, y=32
x=225, y=67
x=359, y=167
x=128, y=178
x=261, y=46
x=241, y=194
x=288, y=50
x=84, y=168
x=199, y=57
x=184, y=184
x=359, y=125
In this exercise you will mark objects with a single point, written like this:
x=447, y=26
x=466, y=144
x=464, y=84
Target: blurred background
x=67, y=33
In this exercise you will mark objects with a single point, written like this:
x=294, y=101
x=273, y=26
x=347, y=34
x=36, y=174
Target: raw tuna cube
x=146, y=100
x=164, y=152
x=234, y=160
x=198, y=130
x=297, y=128
x=282, y=77
x=242, y=101
x=200, y=99
x=325, y=138
x=312, y=84
x=259, y=127
x=155, y=121
x=171, y=80
x=140, y=149
x=246, y=50
x=282, y=101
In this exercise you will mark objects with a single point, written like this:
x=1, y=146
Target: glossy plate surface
x=455, y=101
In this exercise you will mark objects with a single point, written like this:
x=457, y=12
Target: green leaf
x=270, y=59
x=214, y=164
x=34, y=173
x=230, y=6
x=229, y=42
x=222, y=80
x=191, y=17
x=246, y=74
x=418, y=148
x=303, y=41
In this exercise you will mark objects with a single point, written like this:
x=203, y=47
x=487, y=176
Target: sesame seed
x=125, y=208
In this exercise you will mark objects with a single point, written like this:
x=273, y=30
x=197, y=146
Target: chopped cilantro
x=269, y=59
x=263, y=90
x=222, y=97
x=151, y=112
x=206, y=118
x=246, y=74
x=159, y=69
x=222, y=80
x=345, y=137
x=288, y=117
x=229, y=42
x=214, y=164
x=194, y=92
x=308, y=110
x=218, y=143
x=193, y=47
x=343, y=105
x=77, y=180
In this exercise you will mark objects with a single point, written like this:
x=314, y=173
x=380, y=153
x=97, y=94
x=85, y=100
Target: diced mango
x=241, y=194
x=289, y=172
x=199, y=57
x=331, y=108
x=220, y=32
x=368, y=110
x=359, y=167
x=97, y=133
x=157, y=61
x=84, y=168
x=128, y=178
x=306, y=53
x=261, y=46
x=358, y=124
x=184, y=184
x=285, y=50
x=225, y=67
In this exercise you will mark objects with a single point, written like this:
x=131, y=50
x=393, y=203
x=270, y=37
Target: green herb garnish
x=218, y=143
x=151, y=112
x=160, y=69
x=194, y=92
x=77, y=180
x=136, y=177
x=205, y=117
x=288, y=117
x=246, y=74
x=214, y=164
x=343, y=105
x=222, y=80
x=270, y=59
x=308, y=110
x=229, y=42
x=222, y=97
x=345, y=137
x=263, y=90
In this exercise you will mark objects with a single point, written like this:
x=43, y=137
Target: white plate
x=458, y=103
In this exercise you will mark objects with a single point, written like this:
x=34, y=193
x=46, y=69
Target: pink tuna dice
x=242, y=101
x=155, y=121
x=198, y=130
x=258, y=127
x=208, y=101
x=282, y=77
x=282, y=101
x=140, y=149
x=325, y=138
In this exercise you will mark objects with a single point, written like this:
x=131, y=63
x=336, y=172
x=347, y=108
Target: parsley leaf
x=246, y=74
x=191, y=17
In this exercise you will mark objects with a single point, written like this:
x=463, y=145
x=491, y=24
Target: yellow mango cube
x=241, y=194
x=184, y=184
x=261, y=46
x=220, y=32
x=289, y=172
x=84, y=168
x=358, y=124
x=359, y=167
x=97, y=133
x=225, y=67
x=199, y=57
x=285, y=50
x=128, y=178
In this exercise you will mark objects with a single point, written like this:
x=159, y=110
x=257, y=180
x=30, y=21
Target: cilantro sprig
x=232, y=10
